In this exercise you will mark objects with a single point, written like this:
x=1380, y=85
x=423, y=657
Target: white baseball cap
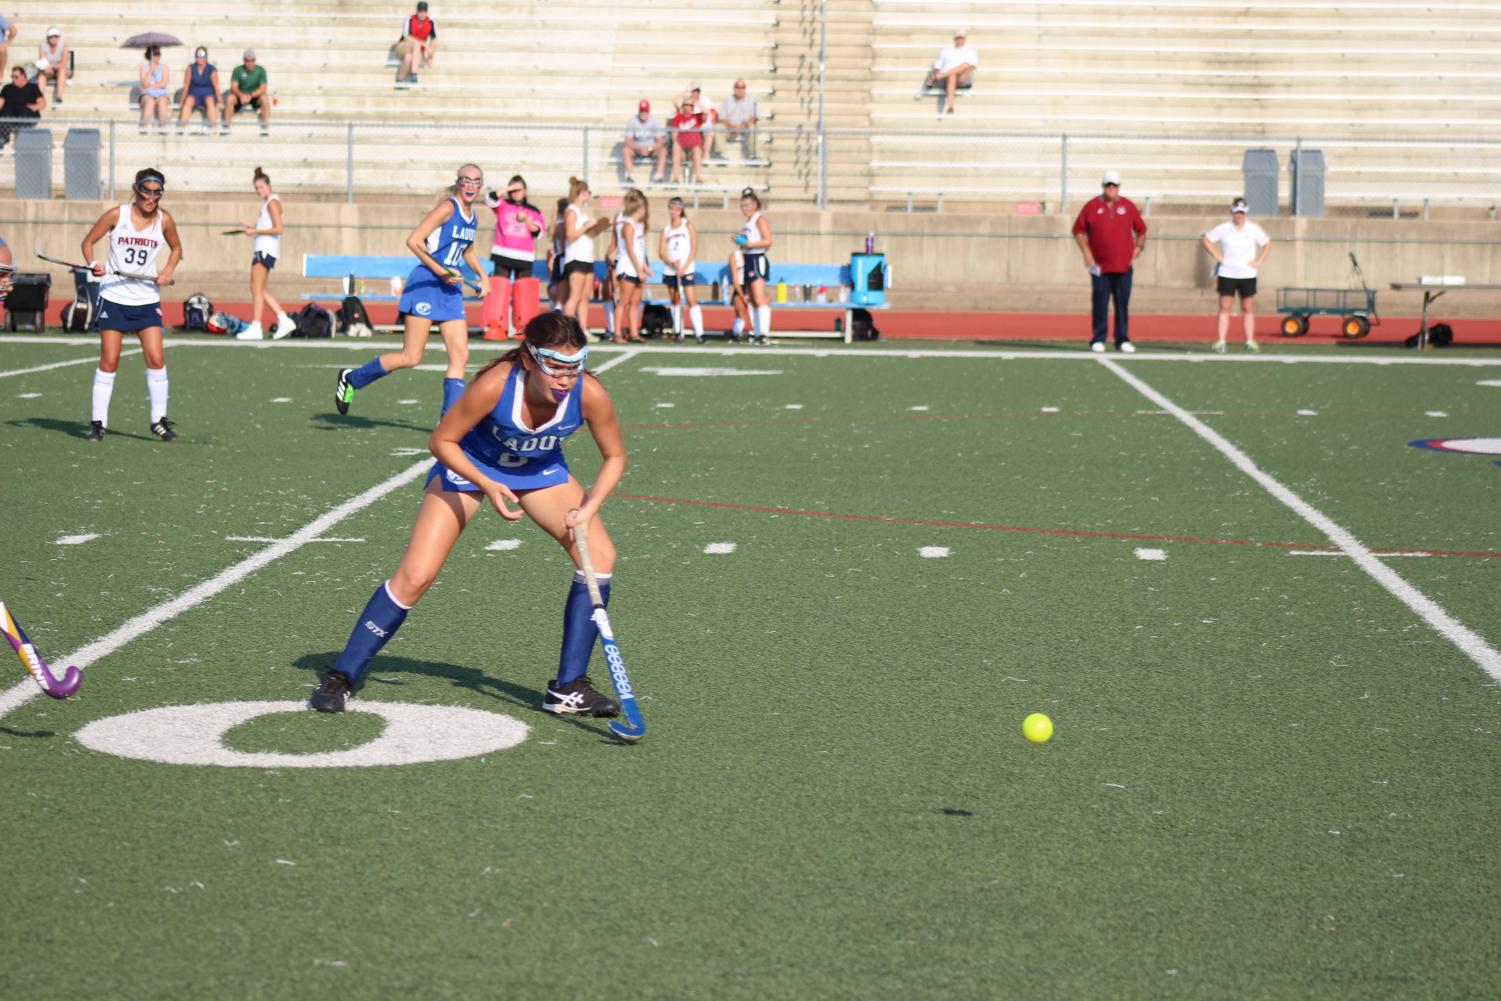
x=1111, y=177
x=960, y=33
x=1239, y=205
x=54, y=32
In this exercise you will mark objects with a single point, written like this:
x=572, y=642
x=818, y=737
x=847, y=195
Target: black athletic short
x=578, y=267
x=1243, y=287
x=511, y=269
x=756, y=266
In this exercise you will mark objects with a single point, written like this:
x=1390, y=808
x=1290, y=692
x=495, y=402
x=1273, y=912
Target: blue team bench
x=831, y=277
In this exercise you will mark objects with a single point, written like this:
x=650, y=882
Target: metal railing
x=919, y=169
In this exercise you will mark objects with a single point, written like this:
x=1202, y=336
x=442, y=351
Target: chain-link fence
x=926, y=170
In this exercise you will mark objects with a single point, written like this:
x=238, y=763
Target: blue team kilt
x=533, y=476
x=127, y=319
x=428, y=298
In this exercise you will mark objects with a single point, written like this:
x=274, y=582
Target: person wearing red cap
x=645, y=136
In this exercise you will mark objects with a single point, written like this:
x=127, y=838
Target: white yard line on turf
x=1472, y=644
x=16, y=696
x=90, y=360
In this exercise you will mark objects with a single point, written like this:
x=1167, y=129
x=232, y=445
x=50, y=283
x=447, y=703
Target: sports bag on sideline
x=196, y=310
x=78, y=315
x=353, y=320
x=314, y=321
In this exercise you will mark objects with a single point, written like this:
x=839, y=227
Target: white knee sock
x=156, y=388
x=104, y=388
x=696, y=314
x=738, y=326
x=609, y=316
x=762, y=316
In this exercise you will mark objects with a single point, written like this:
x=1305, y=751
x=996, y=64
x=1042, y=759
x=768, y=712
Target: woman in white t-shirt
x=578, y=251
x=265, y=252
x=1238, y=248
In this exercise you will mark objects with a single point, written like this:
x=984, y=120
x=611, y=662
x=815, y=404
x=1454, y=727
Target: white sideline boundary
x=1471, y=643
x=19, y=694
x=90, y=360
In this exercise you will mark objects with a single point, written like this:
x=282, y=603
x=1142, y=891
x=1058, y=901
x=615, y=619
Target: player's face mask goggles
x=151, y=187
x=562, y=365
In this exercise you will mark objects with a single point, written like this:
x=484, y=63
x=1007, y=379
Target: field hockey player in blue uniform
x=503, y=441
x=434, y=293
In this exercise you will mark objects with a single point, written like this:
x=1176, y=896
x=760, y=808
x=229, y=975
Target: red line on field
x=1033, y=529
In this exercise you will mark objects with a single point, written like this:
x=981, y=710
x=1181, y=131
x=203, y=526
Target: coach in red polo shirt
x=1111, y=235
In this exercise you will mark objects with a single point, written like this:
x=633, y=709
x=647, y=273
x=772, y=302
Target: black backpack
x=656, y=320
x=196, y=310
x=862, y=326
x=79, y=314
x=351, y=312
x=1440, y=335
x=314, y=321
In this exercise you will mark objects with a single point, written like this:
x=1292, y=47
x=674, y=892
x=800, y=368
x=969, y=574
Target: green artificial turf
x=1270, y=778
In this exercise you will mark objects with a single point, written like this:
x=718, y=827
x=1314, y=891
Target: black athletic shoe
x=578, y=698
x=332, y=694
x=163, y=430
x=96, y=431
x=343, y=391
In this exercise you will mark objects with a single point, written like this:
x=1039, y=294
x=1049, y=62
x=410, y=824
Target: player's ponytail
x=576, y=187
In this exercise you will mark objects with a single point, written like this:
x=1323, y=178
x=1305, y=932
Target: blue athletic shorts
x=127, y=319
x=427, y=298
x=673, y=281
x=534, y=477
x=264, y=259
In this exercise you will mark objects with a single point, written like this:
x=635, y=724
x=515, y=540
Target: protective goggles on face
x=565, y=364
x=151, y=191
x=473, y=182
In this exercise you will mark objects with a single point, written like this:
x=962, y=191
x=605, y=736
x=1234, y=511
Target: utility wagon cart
x=1357, y=306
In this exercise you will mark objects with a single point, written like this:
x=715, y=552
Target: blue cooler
x=868, y=279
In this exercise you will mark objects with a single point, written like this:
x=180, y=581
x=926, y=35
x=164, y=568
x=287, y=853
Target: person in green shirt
x=247, y=87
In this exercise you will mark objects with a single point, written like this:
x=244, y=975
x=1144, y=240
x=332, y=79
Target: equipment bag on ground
x=314, y=321
x=353, y=320
x=79, y=314
x=196, y=309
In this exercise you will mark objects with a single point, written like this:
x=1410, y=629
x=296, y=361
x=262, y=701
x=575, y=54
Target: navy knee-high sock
x=383, y=615
x=579, y=630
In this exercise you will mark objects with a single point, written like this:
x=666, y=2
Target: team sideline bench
x=827, y=276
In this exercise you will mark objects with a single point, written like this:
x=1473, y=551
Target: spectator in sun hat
x=52, y=63
x=417, y=45
x=1111, y=235
x=1238, y=247
x=247, y=89
x=955, y=66
x=645, y=136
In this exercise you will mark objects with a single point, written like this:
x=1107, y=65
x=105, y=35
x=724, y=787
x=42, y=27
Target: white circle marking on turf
x=719, y=548
x=1144, y=553
x=503, y=545
x=77, y=540
x=933, y=552
x=194, y=735
x=1474, y=446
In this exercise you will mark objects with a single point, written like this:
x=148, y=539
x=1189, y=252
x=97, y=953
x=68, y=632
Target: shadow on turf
x=73, y=429
x=26, y=733
x=334, y=422
x=519, y=696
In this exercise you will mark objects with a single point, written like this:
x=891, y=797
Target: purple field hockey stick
x=633, y=729
x=49, y=683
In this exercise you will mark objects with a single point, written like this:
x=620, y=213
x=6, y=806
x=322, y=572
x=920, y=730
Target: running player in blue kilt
x=434, y=293
x=502, y=440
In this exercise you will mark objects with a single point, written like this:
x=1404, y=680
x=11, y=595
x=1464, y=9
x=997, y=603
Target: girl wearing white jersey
x=265, y=251
x=578, y=251
x=130, y=296
x=631, y=269
x=754, y=240
x=1238, y=247
x=678, y=248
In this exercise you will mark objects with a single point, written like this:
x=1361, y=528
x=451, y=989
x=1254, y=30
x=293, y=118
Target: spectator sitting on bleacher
x=688, y=140
x=418, y=45
x=954, y=67
x=8, y=29
x=703, y=106
x=19, y=99
x=52, y=63
x=200, y=88
x=154, y=100
x=247, y=89
x=644, y=136
x=737, y=119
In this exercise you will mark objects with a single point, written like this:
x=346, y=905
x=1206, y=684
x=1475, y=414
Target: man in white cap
x=52, y=63
x=1238, y=248
x=954, y=67
x=247, y=89
x=1111, y=235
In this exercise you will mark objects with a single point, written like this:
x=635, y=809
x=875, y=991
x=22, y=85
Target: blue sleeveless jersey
x=522, y=458
x=425, y=295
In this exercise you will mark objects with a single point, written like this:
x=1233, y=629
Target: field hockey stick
x=231, y=232
x=84, y=267
x=633, y=729
x=473, y=285
x=50, y=684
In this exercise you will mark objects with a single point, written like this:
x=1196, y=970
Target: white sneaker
x=1126, y=348
x=285, y=327
x=251, y=333
x=1098, y=347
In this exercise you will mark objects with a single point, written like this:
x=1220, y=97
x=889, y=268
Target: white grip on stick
x=581, y=537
